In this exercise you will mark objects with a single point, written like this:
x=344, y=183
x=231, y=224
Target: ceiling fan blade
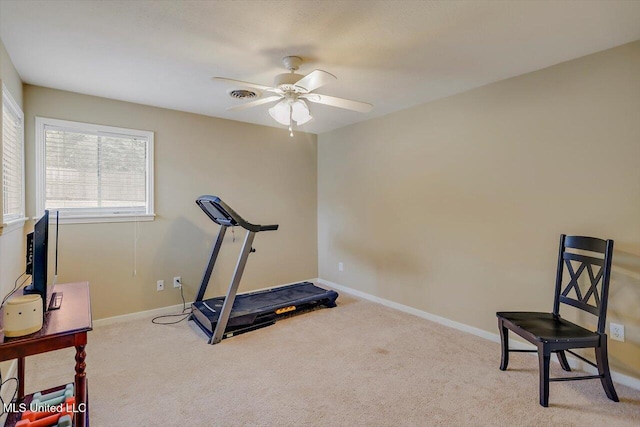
x=241, y=83
x=347, y=104
x=314, y=80
x=254, y=103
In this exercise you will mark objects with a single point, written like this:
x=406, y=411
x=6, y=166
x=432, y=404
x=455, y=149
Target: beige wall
x=455, y=207
x=261, y=172
x=9, y=75
x=12, y=243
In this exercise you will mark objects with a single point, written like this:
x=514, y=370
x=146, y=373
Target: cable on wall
x=136, y=237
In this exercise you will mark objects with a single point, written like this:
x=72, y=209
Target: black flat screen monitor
x=37, y=256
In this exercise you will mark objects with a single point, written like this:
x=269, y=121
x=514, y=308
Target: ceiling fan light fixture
x=300, y=112
x=281, y=112
x=286, y=110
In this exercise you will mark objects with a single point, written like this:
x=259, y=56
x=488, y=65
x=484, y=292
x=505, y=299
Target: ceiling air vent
x=243, y=94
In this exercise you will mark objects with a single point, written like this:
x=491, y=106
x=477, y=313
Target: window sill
x=93, y=219
x=12, y=225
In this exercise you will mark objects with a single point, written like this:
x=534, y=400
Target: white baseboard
x=172, y=309
x=617, y=377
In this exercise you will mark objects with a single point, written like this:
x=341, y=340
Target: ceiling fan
x=292, y=90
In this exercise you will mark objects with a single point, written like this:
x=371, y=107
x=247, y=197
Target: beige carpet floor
x=360, y=364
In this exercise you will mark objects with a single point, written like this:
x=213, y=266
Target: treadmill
x=224, y=317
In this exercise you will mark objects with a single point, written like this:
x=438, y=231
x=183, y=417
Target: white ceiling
x=392, y=54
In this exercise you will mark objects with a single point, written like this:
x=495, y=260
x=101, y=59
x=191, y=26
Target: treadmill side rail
x=233, y=289
x=212, y=260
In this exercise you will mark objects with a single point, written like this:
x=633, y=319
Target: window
x=93, y=173
x=12, y=159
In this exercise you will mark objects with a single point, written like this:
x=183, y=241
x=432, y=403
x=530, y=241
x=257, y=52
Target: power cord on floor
x=183, y=315
x=13, y=397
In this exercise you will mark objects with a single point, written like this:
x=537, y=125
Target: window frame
x=40, y=166
x=16, y=220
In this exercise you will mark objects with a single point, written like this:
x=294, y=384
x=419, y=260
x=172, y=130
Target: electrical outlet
x=160, y=285
x=617, y=331
x=340, y=266
x=177, y=282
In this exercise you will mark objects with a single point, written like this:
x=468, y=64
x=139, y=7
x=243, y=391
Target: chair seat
x=549, y=329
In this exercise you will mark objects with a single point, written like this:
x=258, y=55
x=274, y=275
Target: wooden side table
x=66, y=327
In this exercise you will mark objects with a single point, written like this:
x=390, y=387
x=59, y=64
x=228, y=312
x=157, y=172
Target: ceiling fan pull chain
x=291, y=122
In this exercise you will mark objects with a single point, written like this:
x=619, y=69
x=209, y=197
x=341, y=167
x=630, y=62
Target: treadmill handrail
x=232, y=216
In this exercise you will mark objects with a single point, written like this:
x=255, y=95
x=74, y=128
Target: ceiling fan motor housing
x=292, y=63
x=286, y=82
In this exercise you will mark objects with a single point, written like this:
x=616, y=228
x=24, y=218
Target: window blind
x=12, y=162
x=95, y=173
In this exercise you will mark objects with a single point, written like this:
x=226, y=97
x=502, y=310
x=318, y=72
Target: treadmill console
x=220, y=213
x=212, y=206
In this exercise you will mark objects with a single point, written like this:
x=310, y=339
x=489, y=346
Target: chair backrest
x=597, y=264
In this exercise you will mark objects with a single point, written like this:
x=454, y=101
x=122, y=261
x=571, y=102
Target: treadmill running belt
x=255, y=307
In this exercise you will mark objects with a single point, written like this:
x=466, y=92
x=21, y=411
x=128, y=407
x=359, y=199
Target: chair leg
x=504, y=341
x=602, y=360
x=544, y=359
x=562, y=358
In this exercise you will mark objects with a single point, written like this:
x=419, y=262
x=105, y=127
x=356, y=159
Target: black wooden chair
x=550, y=333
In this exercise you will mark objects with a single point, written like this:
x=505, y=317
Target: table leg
x=80, y=386
x=20, y=377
